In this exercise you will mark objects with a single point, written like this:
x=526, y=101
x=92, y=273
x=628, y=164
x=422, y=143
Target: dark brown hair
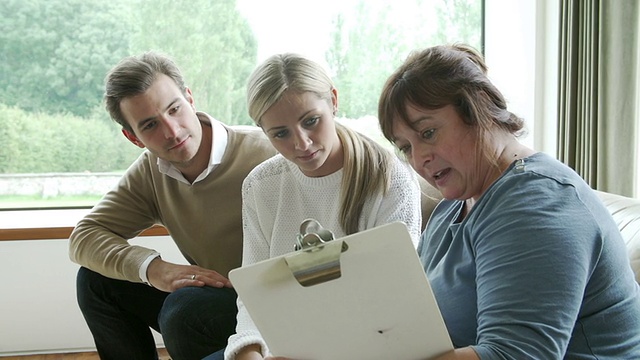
x=447, y=75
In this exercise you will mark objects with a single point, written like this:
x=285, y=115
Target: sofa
x=625, y=212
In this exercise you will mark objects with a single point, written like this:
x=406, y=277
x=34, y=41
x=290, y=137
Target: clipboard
x=369, y=299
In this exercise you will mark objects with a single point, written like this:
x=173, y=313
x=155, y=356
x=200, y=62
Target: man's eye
x=428, y=134
x=149, y=125
x=174, y=110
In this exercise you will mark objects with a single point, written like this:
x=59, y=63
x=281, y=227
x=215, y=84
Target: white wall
x=38, y=308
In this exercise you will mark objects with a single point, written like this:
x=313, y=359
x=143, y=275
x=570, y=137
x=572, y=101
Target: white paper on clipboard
x=380, y=307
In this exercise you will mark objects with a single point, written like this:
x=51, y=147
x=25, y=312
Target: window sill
x=48, y=224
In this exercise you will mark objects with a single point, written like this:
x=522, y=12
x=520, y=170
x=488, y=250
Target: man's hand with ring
x=169, y=277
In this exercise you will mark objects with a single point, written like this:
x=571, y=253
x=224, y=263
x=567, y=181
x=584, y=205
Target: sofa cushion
x=626, y=213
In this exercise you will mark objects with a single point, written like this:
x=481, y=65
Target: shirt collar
x=218, y=148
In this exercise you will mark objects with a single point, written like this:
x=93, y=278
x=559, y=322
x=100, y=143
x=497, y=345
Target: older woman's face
x=442, y=149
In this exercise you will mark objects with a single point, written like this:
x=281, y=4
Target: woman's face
x=442, y=149
x=301, y=127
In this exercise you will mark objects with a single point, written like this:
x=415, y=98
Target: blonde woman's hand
x=250, y=352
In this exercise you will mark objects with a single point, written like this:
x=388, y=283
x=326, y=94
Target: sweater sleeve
x=100, y=240
x=530, y=290
x=255, y=248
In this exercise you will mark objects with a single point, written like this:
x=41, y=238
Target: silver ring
x=193, y=277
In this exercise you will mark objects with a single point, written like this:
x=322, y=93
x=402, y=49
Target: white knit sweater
x=277, y=197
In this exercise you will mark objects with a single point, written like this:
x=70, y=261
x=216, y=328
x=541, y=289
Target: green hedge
x=44, y=143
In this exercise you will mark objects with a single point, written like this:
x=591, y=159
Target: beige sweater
x=204, y=219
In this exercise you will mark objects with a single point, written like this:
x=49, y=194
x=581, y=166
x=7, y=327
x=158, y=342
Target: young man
x=189, y=180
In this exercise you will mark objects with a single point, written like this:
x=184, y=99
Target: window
x=523, y=64
x=61, y=149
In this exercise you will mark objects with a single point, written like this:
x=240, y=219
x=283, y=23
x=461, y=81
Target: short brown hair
x=133, y=76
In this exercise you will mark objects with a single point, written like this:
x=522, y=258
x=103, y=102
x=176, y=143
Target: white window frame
x=521, y=50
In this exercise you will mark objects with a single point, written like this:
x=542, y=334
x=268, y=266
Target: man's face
x=165, y=122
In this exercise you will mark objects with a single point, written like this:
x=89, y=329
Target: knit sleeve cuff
x=238, y=342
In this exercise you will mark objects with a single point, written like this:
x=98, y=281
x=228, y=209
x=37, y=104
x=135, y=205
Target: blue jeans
x=218, y=355
x=194, y=321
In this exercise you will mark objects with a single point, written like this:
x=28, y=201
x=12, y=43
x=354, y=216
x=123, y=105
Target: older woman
x=524, y=260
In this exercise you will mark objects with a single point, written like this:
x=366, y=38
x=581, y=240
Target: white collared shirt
x=218, y=147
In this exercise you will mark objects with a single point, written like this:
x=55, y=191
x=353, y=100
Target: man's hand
x=169, y=277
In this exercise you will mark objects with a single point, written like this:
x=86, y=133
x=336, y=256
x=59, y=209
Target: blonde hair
x=366, y=163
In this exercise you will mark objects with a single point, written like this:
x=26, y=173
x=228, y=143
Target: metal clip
x=519, y=166
x=312, y=234
x=317, y=257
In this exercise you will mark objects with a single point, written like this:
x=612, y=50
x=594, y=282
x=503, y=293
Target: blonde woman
x=323, y=171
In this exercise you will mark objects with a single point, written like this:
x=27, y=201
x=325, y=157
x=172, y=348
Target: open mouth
x=440, y=174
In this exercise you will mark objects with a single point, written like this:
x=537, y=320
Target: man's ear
x=190, y=99
x=133, y=138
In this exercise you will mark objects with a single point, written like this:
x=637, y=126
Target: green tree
x=54, y=54
x=212, y=44
x=460, y=21
x=366, y=50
